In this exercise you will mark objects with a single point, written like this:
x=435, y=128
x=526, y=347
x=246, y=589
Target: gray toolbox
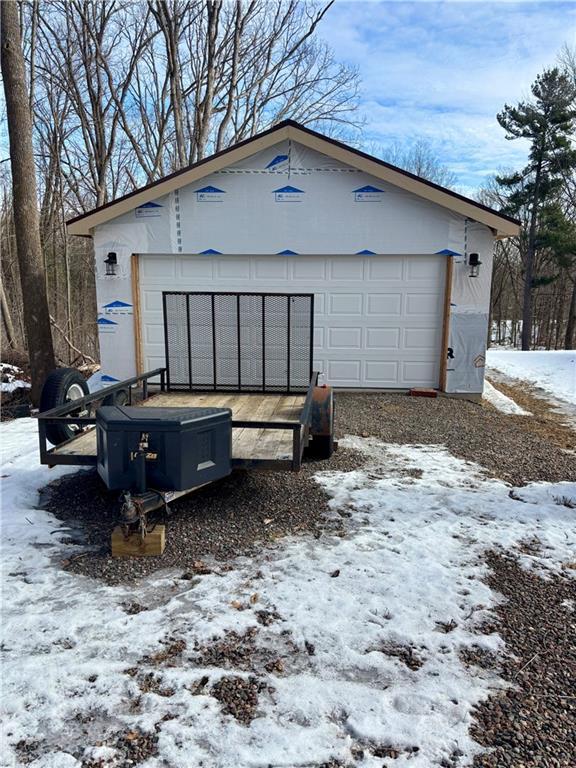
x=166, y=449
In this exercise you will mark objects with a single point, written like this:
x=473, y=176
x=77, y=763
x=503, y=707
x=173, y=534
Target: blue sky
x=442, y=70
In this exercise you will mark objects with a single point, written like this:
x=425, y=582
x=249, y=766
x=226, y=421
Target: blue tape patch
x=447, y=252
x=209, y=194
x=148, y=210
x=118, y=308
x=288, y=194
x=117, y=304
x=278, y=160
x=368, y=194
x=365, y=252
x=107, y=377
x=287, y=252
x=210, y=252
x=106, y=326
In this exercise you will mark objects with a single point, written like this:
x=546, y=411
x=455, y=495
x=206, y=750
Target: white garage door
x=378, y=319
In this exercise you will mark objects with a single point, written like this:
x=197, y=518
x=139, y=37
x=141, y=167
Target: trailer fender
x=322, y=423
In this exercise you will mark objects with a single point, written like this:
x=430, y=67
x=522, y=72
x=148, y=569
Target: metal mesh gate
x=238, y=342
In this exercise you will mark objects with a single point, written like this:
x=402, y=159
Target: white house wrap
x=385, y=254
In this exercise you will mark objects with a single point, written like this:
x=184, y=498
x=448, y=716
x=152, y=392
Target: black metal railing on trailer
x=238, y=342
x=81, y=414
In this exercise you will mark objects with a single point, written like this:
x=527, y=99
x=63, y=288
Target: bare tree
x=26, y=218
x=421, y=159
x=124, y=92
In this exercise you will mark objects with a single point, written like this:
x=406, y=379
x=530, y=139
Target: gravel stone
x=532, y=723
x=239, y=697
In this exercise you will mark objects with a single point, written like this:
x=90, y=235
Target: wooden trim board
x=446, y=323
x=135, y=279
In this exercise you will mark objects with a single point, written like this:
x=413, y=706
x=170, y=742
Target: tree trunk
x=571, y=324
x=529, y=264
x=527, y=298
x=26, y=217
x=8, y=324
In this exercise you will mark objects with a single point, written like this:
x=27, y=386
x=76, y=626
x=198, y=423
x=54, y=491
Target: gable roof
x=504, y=226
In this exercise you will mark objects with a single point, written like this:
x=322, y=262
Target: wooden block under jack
x=134, y=546
x=423, y=392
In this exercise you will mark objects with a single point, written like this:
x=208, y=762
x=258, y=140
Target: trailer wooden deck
x=248, y=443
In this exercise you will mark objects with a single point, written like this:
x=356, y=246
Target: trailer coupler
x=136, y=507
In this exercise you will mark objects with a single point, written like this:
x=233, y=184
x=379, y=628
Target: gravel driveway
x=504, y=445
x=232, y=516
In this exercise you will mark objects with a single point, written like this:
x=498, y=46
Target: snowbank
x=11, y=378
x=553, y=371
x=501, y=401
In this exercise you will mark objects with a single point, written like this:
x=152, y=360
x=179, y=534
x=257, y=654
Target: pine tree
x=548, y=122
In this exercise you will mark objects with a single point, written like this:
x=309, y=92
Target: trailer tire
x=61, y=386
x=321, y=446
x=116, y=398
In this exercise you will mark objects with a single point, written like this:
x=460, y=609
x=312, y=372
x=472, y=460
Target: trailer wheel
x=64, y=385
x=321, y=446
x=116, y=398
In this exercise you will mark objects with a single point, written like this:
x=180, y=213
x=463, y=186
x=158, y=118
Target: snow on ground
x=408, y=575
x=501, y=401
x=11, y=378
x=552, y=371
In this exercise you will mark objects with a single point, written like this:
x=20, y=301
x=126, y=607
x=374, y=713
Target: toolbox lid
x=141, y=417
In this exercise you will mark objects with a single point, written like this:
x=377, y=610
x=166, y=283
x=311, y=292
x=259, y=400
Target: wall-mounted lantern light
x=474, y=264
x=111, y=262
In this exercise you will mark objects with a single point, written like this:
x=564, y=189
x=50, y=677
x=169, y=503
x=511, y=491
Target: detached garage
x=399, y=268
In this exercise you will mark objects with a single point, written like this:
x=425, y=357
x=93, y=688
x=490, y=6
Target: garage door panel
x=346, y=303
x=381, y=373
x=384, y=304
x=347, y=269
x=388, y=268
x=152, y=300
x=344, y=372
x=423, y=304
x=196, y=268
x=417, y=373
x=154, y=334
x=319, y=302
x=423, y=268
x=266, y=269
x=160, y=266
x=309, y=269
x=341, y=338
x=319, y=336
x=381, y=331
x=421, y=338
x=382, y=338
x=233, y=268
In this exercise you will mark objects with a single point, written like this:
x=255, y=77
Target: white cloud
x=442, y=71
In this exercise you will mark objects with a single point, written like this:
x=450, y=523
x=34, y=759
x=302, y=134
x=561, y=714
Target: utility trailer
x=242, y=356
